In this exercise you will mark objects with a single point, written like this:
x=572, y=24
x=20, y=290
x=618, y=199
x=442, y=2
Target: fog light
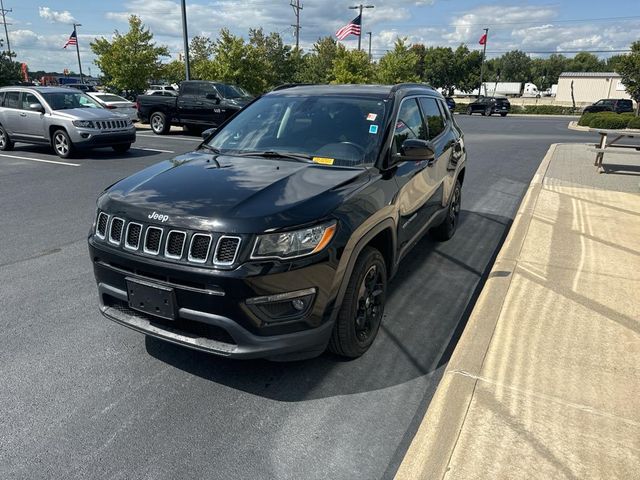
x=298, y=304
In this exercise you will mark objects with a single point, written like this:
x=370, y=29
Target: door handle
x=22, y=114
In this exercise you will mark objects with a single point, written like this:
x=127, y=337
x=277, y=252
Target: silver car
x=65, y=118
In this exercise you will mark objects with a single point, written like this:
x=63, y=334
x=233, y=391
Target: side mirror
x=36, y=107
x=415, y=149
x=208, y=132
x=213, y=96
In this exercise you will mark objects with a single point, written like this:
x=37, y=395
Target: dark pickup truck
x=199, y=105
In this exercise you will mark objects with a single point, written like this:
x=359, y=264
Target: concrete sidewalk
x=545, y=381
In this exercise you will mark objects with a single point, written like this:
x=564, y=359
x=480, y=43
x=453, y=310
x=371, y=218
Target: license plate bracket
x=151, y=298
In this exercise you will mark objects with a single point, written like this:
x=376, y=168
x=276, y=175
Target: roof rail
x=289, y=85
x=397, y=86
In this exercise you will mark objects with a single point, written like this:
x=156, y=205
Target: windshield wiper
x=210, y=148
x=301, y=157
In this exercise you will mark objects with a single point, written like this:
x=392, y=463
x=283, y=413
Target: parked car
x=199, y=104
x=278, y=236
x=490, y=105
x=160, y=88
x=610, y=105
x=80, y=86
x=64, y=118
x=164, y=93
x=451, y=103
x=120, y=104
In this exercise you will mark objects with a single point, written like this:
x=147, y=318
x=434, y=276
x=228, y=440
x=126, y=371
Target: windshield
x=334, y=130
x=108, y=97
x=68, y=100
x=232, y=91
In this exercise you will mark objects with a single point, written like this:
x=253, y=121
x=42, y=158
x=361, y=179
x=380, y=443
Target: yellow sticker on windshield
x=323, y=160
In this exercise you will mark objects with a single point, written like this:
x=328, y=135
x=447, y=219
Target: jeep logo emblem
x=158, y=216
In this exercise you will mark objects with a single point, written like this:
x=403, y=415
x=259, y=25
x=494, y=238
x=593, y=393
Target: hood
x=87, y=114
x=243, y=195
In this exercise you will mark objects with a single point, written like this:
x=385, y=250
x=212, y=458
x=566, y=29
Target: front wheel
x=487, y=112
x=159, y=123
x=469, y=111
x=121, y=148
x=5, y=142
x=362, y=308
x=447, y=228
x=62, y=144
x=503, y=114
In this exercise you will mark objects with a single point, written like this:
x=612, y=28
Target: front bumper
x=213, y=311
x=93, y=139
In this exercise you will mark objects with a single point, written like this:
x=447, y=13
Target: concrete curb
x=430, y=451
x=531, y=115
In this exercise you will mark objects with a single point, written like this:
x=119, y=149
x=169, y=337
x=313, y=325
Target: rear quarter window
x=432, y=116
x=11, y=100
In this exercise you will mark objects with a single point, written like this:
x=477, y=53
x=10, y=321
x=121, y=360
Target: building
x=589, y=87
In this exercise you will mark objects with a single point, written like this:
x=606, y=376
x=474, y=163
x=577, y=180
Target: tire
x=447, y=228
x=159, y=124
x=503, y=114
x=121, y=148
x=469, y=111
x=362, y=308
x=6, y=143
x=487, y=112
x=62, y=144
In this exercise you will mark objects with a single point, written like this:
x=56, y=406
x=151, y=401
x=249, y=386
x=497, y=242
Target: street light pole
x=75, y=29
x=185, y=35
x=361, y=7
x=4, y=22
x=369, y=33
x=484, y=54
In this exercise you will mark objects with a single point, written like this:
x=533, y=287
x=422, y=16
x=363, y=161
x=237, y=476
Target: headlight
x=293, y=244
x=83, y=123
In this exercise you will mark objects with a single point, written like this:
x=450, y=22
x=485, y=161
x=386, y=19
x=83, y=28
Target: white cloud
x=54, y=16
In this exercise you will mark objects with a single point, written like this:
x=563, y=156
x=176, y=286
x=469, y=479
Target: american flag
x=73, y=39
x=351, y=28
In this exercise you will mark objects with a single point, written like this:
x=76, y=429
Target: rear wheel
x=62, y=144
x=487, y=111
x=159, y=123
x=362, y=308
x=5, y=141
x=469, y=111
x=121, y=148
x=447, y=228
x=503, y=114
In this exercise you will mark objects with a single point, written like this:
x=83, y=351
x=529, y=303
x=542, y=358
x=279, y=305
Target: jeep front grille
x=111, y=124
x=199, y=248
x=132, y=238
x=101, y=225
x=226, y=250
x=175, y=244
x=152, y=240
x=115, y=233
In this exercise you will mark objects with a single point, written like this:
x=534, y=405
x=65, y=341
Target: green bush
x=548, y=110
x=461, y=108
x=609, y=120
x=585, y=119
x=634, y=123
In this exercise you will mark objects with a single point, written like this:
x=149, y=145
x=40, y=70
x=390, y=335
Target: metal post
x=484, y=53
x=185, y=34
x=295, y=4
x=369, y=33
x=75, y=29
x=361, y=7
x=4, y=22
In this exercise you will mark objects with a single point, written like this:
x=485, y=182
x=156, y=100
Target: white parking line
x=57, y=162
x=169, y=137
x=153, y=150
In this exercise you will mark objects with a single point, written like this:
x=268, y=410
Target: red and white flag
x=483, y=39
x=351, y=28
x=73, y=39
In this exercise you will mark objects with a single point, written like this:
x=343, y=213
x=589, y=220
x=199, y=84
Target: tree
x=229, y=63
x=629, y=70
x=172, y=72
x=420, y=50
x=200, y=52
x=10, y=72
x=129, y=61
x=515, y=66
x=467, y=64
x=613, y=62
x=398, y=65
x=268, y=55
x=440, y=68
x=351, y=66
x=586, y=62
x=317, y=66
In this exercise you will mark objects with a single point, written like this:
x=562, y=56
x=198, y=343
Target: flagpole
x=75, y=30
x=484, y=54
x=361, y=7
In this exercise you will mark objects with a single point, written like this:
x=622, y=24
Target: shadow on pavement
x=103, y=153
x=428, y=305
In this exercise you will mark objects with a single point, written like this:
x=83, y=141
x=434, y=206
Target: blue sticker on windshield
x=373, y=129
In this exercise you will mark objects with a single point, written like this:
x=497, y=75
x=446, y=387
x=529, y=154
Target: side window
x=408, y=124
x=444, y=109
x=12, y=100
x=432, y=116
x=1, y=98
x=28, y=99
x=206, y=89
x=190, y=89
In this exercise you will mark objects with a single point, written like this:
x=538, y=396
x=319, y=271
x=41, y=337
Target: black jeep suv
x=489, y=105
x=610, y=105
x=277, y=237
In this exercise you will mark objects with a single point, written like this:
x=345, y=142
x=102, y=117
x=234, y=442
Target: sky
x=39, y=28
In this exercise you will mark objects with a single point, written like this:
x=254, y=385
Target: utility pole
x=484, y=54
x=369, y=33
x=75, y=29
x=185, y=36
x=295, y=4
x=4, y=22
x=361, y=7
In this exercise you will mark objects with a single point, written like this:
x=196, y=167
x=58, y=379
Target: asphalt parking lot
x=82, y=397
